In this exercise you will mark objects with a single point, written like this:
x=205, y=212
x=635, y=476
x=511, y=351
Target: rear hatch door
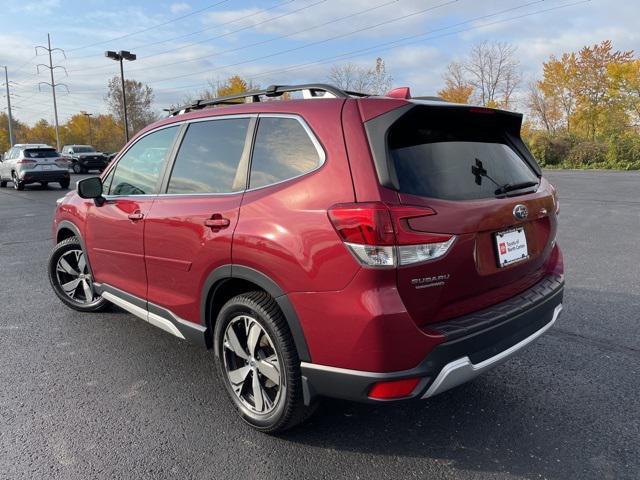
x=466, y=163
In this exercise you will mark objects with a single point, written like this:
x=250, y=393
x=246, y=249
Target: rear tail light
x=393, y=389
x=27, y=162
x=378, y=235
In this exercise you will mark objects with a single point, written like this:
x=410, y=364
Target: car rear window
x=283, y=150
x=40, y=153
x=434, y=152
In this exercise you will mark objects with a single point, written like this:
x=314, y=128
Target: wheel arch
x=226, y=281
x=67, y=229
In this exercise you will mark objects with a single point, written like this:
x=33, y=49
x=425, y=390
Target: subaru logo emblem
x=520, y=212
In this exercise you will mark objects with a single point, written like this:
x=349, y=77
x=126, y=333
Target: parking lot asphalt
x=107, y=396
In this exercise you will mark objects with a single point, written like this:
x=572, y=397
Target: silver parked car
x=33, y=163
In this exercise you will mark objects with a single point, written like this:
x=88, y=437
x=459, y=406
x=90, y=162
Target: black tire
x=70, y=246
x=64, y=184
x=17, y=184
x=287, y=408
x=44, y=184
x=77, y=168
x=3, y=183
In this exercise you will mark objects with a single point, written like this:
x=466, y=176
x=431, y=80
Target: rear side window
x=433, y=153
x=138, y=170
x=283, y=150
x=40, y=153
x=208, y=159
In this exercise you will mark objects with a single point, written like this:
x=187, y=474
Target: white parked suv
x=33, y=163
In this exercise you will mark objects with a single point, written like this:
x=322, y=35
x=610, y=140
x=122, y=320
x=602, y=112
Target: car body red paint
x=352, y=318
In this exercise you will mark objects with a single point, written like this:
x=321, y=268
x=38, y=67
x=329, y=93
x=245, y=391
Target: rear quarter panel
x=284, y=231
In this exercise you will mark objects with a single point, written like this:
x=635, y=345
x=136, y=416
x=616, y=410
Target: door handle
x=217, y=222
x=135, y=216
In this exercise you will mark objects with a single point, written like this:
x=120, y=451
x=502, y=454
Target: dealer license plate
x=511, y=246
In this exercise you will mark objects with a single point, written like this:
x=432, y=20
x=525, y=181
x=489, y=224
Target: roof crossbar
x=313, y=89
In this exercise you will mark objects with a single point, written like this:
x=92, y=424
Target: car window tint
x=282, y=150
x=138, y=171
x=208, y=159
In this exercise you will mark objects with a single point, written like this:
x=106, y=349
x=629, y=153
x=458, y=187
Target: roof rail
x=311, y=89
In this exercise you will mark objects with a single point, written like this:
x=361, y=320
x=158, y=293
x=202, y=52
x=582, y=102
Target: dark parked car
x=84, y=158
x=366, y=248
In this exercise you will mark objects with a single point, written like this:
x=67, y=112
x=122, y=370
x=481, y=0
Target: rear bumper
x=475, y=343
x=44, y=176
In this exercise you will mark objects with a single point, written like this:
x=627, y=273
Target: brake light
x=363, y=223
x=26, y=161
x=393, y=389
x=379, y=235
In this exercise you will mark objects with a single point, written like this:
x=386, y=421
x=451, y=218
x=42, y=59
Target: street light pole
x=88, y=115
x=119, y=56
x=124, y=102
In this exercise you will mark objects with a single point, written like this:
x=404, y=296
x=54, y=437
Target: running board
x=155, y=315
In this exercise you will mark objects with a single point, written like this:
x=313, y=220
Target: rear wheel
x=64, y=184
x=17, y=184
x=71, y=278
x=44, y=184
x=3, y=183
x=258, y=363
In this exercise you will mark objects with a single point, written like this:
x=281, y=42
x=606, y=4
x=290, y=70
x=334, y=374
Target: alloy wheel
x=252, y=365
x=74, y=277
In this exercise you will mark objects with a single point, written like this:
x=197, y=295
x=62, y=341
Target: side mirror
x=91, y=188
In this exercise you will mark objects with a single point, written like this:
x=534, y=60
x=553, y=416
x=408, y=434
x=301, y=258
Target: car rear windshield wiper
x=510, y=187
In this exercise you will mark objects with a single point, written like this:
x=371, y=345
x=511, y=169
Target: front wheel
x=258, y=363
x=77, y=168
x=71, y=277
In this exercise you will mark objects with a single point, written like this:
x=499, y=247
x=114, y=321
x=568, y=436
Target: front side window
x=282, y=150
x=138, y=171
x=209, y=156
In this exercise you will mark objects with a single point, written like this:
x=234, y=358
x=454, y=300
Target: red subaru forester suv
x=334, y=244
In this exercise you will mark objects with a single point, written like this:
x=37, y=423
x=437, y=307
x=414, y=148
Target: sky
x=182, y=45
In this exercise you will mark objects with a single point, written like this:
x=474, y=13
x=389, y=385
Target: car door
x=5, y=165
x=114, y=230
x=190, y=226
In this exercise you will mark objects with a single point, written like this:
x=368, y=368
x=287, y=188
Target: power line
x=318, y=42
x=226, y=34
x=148, y=28
x=273, y=39
x=386, y=45
x=166, y=40
x=412, y=39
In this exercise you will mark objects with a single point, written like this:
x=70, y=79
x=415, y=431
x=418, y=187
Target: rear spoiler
x=378, y=130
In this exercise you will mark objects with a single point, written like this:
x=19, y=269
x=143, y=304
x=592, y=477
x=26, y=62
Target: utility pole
x=53, y=83
x=6, y=80
x=88, y=115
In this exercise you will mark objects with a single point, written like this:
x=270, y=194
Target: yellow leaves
x=456, y=93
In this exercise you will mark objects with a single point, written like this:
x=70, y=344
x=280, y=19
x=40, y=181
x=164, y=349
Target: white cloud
x=180, y=7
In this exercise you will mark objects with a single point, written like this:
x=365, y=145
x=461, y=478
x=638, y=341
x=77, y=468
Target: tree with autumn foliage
x=587, y=109
x=457, y=88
